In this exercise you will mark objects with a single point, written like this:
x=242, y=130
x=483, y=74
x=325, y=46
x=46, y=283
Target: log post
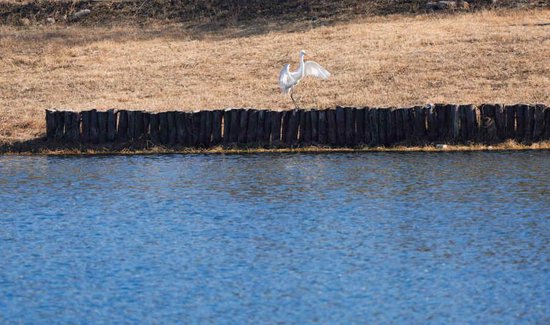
x=442, y=118
x=546, y=135
x=408, y=128
x=172, y=129
x=349, y=127
x=139, y=128
x=217, y=117
x=260, y=128
x=391, y=134
x=331, y=127
x=50, y=124
x=252, y=128
x=122, y=130
x=102, y=126
x=111, y=125
x=243, y=126
x=306, y=132
x=374, y=126
x=146, y=125
x=431, y=118
x=75, y=127
x=154, y=128
x=510, y=115
x=314, y=117
x=188, y=125
x=196, y=128
x=94, y=127
x=383, y=126
x=500, y=121
x=538, y=123
x=131, y=131
x=226, y=126
x=66, y=125
x=266, y=140
x=276, y=121
x=360, y=126
x=520, y=121
x=59, y=125
x=399, y=128
x=323, y=128
x=85, y=132
x=293, y=126
x=529, y=123
x=419, y=124
x=340, y=126
x=163, y=127
x=180, y=128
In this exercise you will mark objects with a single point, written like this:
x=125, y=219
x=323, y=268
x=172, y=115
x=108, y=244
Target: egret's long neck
x=301, y=67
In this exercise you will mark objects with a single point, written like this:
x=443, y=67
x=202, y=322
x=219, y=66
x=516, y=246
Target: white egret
x=289, y=79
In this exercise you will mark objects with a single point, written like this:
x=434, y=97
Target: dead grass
x=496, y=56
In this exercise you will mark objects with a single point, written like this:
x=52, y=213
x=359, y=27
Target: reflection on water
x=328, y=238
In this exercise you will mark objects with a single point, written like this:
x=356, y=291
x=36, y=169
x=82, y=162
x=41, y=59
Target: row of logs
x=340, y=127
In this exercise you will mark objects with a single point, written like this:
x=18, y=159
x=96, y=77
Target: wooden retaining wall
x=339, y=127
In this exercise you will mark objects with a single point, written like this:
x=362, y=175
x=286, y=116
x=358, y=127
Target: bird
x=289, y=79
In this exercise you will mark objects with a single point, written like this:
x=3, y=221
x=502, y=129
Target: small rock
x=441, y=146
x=24, y=21
x=82, y=13
x=50, y=20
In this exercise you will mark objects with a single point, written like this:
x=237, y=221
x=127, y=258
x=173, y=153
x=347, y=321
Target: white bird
x=289, y=79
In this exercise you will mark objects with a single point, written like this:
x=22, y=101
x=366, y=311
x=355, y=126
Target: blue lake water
x=276, y=238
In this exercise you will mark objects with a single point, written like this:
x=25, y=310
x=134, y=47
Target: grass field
x=487, y=56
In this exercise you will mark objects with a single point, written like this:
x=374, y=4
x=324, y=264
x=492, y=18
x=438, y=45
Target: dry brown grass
x=394, y=61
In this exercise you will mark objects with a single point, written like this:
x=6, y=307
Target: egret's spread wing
x=285, y=80
x=314, y=69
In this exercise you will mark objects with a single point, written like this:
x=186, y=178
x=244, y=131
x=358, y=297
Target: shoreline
x=51, y=150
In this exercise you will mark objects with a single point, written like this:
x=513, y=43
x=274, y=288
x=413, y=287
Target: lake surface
x=276, y=238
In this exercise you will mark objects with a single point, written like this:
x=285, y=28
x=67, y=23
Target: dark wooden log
x=102, y=126
x=314, y=117
x=154, y=128
x=172, y=129
x=260, y=129
x=367, y=132
x=454, y=127
x=374, y=126
x=349, y=126
x=285, y=120
x=111, y=125
x=442, y=124
x=243, y=126
x=131, y=131
x=488, y=129
x=196, y=128
x=431, y=118
x=252, y=128
x=235, y=119
x=408, y=127
x=74, y=134
x=293, y=127
x=390, y=128
x=383, y=126
x=94, y=127
x=66, y=125
x=217, y=117
x=322, y=127
x=500, y=122
x=538, y=123
x=520, y=121
x=180, y=128
x=399, y=128
x=529, y=123
x=59, y=125
x=265, y=140
x=146, y=125
x=226, y=126
x=360, y=126
x=302, y=118
x=50, y=124
x=163, y=127
x=276, y=126
x=463, y=123
x=139, y=128
x=510, y=113
x=307, y=131
x=546, y=135
x=419, y=116
x=340, y=126
x=472, y=122
x=331, y=127
x=85, y=131
x=188, y=125
x=122, y=130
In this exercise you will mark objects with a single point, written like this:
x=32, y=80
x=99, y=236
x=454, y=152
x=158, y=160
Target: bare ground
x=487, y=56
